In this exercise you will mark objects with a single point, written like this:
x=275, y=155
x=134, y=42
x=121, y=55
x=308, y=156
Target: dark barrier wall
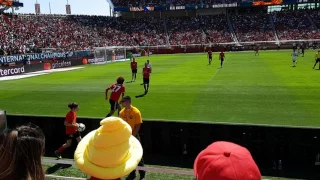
x=178, y=143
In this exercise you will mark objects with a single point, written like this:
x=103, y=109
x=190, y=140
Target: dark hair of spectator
x=21, y=150
x=120, y=80
x=73, y=105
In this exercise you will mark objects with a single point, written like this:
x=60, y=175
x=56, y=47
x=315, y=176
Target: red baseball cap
x=225, y=161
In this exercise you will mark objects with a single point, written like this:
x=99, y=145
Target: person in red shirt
x=71, y=128
x=210, y=56
x=146, y=77
x=221, y=58
x=134, y=66
x=256, y=49
x=117, y=90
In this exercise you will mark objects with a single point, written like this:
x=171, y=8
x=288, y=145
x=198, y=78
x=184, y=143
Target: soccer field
x=263, y=89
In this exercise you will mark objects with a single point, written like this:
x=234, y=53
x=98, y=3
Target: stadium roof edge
x=110, y=4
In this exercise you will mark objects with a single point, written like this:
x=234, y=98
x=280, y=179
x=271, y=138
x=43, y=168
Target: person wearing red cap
x=225, y=161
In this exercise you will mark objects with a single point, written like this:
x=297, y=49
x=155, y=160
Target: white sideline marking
x=8, y=78
x=63, y=177
x=214, y=74
x=217, y=70
x=37, y=73
x=157, y=170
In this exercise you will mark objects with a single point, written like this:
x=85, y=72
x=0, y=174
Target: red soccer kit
x=222, y=56
x=71, y=118
x=210, y=53
x=134, y=65
x=146, y=72
x=117, y=90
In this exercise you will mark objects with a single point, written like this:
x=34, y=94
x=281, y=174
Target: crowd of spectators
x=219, y=1
x=216, y=29
x=252, y=27
x=29, y=33
x=139, y=3
x=184, y=30
x=294, y=26
x=315, y=16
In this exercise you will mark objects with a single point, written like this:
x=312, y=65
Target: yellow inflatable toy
x=109, y=152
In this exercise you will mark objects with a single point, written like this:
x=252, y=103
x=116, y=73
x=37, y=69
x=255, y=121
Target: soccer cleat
x=58, y=155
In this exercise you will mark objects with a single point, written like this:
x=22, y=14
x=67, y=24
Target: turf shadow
x=129, y=82
x=140, y=96
x=56, y=167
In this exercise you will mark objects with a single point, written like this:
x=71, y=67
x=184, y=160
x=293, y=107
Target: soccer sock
x=61, y=149
x=147, y=87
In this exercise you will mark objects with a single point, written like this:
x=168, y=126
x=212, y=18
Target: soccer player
x=302, y=50
x=134, y=66
x=294, y=57
x=117, y=90
x=317, y=60
x=130, y=56
x=221, y=58
x=71, y=128
x=210, y=56
x=146, y=77
x=150, y=67
x=256, y=49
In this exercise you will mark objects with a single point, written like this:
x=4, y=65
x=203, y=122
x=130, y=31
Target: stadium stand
x=253, y=27
x=315, y=17
x=216, y=29
x=184, y=30
x=294, y=26
x=27, y=33
x=139, y=3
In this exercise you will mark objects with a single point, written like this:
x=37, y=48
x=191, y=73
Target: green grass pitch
x=263, y=89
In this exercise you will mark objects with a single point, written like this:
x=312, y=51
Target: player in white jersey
x=149, y=65
x=294, y=58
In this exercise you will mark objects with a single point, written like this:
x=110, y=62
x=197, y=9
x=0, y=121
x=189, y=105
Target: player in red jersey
x=146, y=77
x=221, y=58
x=71, y=129
x=134, y=67
x=210, y=56
x=117, y=90
x=256, y=49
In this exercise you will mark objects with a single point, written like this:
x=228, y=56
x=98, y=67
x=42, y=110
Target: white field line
x=38, y=73
x=155, y=170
